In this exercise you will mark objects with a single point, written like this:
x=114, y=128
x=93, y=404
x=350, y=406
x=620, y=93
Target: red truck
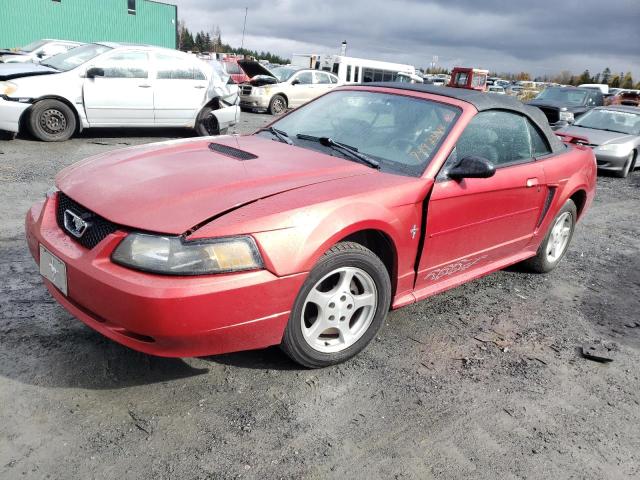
x=470, y=78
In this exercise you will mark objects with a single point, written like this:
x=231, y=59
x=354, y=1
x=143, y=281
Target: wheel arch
x=383, y=246
x=579, y=197
x=282, y=94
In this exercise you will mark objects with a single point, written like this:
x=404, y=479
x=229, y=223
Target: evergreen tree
x=615, y=82
x=627, y=81
x=585, y=77
x=606, y=75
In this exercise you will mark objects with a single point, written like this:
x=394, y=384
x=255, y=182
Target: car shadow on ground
x=271, y=358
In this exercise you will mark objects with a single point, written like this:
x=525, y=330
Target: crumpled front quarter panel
x=295, y=228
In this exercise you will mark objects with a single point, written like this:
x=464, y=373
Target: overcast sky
x=538, y=36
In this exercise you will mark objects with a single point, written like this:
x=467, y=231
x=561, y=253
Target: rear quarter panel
x=569, y=172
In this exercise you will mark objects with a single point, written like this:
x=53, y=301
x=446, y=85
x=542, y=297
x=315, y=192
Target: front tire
x=627, y=167
x=52, y=121
x=555, y=243
x=277, y=105
x=340, y=307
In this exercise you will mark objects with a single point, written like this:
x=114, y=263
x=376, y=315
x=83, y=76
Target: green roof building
x=131, y=21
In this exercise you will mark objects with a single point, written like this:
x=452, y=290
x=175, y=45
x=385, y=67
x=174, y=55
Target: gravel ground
x=484, y=381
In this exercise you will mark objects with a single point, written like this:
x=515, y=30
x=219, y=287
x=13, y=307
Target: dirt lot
x=485, y=381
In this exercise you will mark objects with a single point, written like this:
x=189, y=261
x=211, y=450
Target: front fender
x=295, y=228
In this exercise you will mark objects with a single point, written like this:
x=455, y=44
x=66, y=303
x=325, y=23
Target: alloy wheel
x=339, y=309
x=559, y=237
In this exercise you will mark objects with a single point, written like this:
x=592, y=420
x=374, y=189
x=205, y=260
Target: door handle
x=532, y=182
x=144, y=86
x=199, y=86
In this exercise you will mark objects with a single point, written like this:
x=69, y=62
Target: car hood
x=596, y=137
x=253, y=68
x=174, y=186
x=9, y=71
x=553, y=104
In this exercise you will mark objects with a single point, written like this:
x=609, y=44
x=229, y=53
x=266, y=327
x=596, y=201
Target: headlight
x=7, y=88
x=175, y=256
x=566, y=116
x=614, y=147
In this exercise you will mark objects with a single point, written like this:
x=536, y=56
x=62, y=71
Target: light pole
x=246, y=9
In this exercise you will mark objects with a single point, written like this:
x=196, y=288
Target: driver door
x=475, y=222
x=123, y=96
x=302, y=89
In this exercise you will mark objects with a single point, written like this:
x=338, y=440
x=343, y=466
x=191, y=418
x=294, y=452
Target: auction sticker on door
x=53, y=269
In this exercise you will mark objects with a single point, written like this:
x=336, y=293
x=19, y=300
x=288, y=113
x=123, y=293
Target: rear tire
x=277, y=105
x=340, y=307
x=207, y=123
x=52, y=121
x=556, y=241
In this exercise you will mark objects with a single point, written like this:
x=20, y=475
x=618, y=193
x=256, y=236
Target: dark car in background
x=562, y=105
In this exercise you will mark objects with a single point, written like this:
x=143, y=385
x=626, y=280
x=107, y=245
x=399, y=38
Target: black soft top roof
x=482, y=101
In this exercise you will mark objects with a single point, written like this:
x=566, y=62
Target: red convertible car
x=306, y=233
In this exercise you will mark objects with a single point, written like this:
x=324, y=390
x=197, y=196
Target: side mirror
x=472, y=167
x=295, y=82
x=94, y=72
x=40, y=55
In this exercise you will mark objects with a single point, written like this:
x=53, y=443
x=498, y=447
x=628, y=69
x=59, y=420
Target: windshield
x=563, y=95
x=623, y=122
x=75, y=57
x=284, y=73
x=401, y=133
x=33, y=46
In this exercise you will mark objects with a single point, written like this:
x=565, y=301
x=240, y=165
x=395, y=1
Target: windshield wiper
x=348, y=149
x=279, y=134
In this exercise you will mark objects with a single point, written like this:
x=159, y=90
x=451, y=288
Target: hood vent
x=231, y=152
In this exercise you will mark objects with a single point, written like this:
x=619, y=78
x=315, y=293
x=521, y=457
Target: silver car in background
x=36, y=51
x=613, y=133
x=283, y=87
x=116, y=85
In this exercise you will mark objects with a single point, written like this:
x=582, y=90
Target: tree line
x=211, y=42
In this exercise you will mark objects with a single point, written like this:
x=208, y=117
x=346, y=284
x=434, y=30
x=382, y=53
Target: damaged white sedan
x=116, y=85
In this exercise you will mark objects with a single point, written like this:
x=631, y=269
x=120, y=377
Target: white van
x=360, y=70
x=603, y=87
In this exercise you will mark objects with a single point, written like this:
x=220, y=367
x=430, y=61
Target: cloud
x=539, y=36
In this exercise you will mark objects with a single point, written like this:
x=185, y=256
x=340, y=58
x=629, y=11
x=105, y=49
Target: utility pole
x=246, y=9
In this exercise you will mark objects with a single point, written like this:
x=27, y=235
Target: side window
x=175, y=68
x=304, y=78
x=356, y=75
x=333, y=79
x=126, y=65
x=539, y=145
x=348, y=73
x=321, y=77
x=233, y=68
x=500, y=137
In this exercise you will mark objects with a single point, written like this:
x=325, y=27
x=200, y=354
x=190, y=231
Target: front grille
x=245, y=90
x=231, y=152
x=552, y=114
x=98, y=228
